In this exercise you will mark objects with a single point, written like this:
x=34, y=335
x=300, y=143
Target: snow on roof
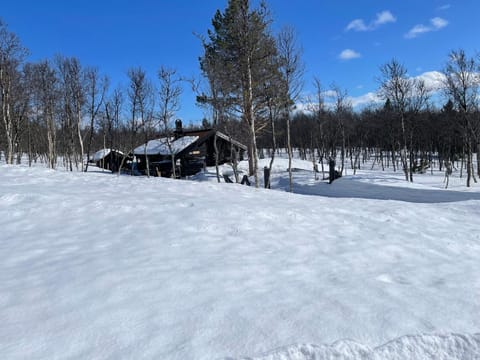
x=100, y=154
x=232, y=141
x=160, y=146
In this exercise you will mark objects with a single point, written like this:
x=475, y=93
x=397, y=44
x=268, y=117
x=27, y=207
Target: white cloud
x=434, y=80
x=417, y=30
x=445, y=7
x=436, y=24
x=365, y=99
x=357, y=102
x=439, y=23
x=383, y=17
x=357, y=25
x=329, y=94
x=349, y=54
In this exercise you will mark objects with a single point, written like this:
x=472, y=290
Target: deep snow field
x=100, y=266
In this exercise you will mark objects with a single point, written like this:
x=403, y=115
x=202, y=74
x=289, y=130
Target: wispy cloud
x=434, y=82
x=367, y=99
x=357, y=102
x=436, y=24
x=417, y=30
x=357, y=25
x=349, y=54
x=382, y=18
x=439, y=23
x=444, y=7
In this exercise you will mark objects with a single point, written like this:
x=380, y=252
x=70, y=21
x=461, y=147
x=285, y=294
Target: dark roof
x=207, y=133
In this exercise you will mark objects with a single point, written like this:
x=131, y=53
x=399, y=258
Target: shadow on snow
x=349, y=187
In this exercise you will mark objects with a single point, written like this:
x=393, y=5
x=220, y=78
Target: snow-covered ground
x=99, y=266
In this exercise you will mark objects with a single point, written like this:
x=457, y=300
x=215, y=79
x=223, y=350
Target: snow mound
x=411, y=347
x=95, y=266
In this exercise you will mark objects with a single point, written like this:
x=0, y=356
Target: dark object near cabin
x=245, y=180
x=227, y=179
x=332, y=173
x=163, y=168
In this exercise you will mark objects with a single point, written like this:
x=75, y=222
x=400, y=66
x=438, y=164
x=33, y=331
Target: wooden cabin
x=109, y=159
x=192, y=151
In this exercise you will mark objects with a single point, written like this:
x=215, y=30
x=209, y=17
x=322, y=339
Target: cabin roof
x=185, y=140
x=100, y=154
x=204, y=134
x=229, y=139
x=160, y=146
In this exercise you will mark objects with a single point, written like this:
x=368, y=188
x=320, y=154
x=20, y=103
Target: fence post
x=266, y=177
x=331, y=170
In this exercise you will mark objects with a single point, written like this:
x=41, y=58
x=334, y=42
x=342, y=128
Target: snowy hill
x=98, y=266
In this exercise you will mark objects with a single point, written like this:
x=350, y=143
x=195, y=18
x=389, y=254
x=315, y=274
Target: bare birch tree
x=169, y=103
x=72, y=86
x=95, y=88
x=140, y=95
x=319, y=111
x=213, y=96
x=462, y=83
x=291, y=68
x=12, y=55
x=407, y=97
x=45, y=95
x=342, y=107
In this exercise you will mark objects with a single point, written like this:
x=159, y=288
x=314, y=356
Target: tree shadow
x=351, y=188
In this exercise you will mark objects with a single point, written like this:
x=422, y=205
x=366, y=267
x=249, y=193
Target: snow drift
x=100, y=266
x=411, y=347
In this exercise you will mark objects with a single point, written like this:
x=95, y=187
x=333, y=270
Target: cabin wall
x=111, y=162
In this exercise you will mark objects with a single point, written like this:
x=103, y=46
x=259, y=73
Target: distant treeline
x=61, y=109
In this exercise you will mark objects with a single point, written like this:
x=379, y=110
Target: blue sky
x=344, y=41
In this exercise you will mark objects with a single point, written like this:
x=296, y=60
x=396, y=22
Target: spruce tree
x=238, y=62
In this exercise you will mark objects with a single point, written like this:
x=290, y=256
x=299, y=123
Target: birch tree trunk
x=289, y=150
x=6, y=115
x=80, y=139
x=51, y=135
x=250, y=116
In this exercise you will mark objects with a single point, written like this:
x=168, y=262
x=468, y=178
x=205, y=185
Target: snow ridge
x=412, y=347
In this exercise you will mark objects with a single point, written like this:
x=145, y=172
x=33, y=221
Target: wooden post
x=266, y=177
x=331, y=170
